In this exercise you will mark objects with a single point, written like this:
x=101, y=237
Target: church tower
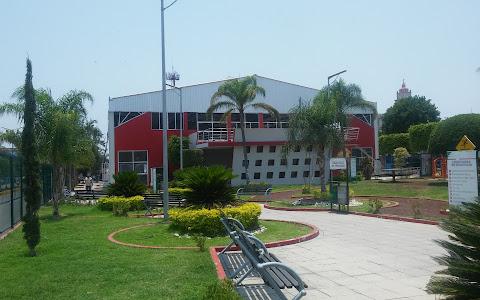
x=403, y=92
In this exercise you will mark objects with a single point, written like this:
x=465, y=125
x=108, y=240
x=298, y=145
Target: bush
x=108, y=203
x=120, y=208
x=207, y=186
x=178, y=191
x=126, y=184
x=400, y=156
x=207, y=221
x=366, y=166
x=373, y=206
x=419, y=136
x=448, y=133
x=388, y=142
x=200, y=240
x=222, y=290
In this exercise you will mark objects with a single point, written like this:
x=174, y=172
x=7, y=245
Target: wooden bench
x=255, y=190
x=155, y=201
x=90, y=197
x=255, y=260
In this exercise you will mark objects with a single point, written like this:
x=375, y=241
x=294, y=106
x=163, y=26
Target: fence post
x=21, y=188
x=12, y=221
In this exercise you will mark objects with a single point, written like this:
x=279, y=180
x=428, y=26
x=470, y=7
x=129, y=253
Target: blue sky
x=112, y=48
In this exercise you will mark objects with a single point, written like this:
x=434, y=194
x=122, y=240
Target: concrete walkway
x=357, y=257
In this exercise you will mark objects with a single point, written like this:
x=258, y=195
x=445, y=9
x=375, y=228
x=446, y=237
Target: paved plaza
x=357, y=257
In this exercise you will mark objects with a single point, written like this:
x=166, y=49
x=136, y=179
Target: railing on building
x=351, y=133
x=215, y=135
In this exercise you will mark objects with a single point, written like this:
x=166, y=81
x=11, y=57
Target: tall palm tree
x=239, y=95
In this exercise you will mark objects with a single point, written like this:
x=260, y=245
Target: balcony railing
x=351, y=133
x=215, y=135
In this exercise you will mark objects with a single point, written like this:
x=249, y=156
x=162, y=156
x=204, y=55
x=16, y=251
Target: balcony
x=215, y=135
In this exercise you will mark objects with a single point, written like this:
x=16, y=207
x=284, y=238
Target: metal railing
x=351, y=133
x=215, y=135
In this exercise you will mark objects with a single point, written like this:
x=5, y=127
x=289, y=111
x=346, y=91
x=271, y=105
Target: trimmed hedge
x=420, y=136
x=389, y=142
x=134, y=203
x=448, y=133
x=207, y=221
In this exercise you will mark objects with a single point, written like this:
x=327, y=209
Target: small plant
x=200, y=240
x=374, y=206
x=366, y=166
x=416, y=209
x=121, y=208
x=400, y=156
x=306, y=189
x=221, y=290
x=126, y=184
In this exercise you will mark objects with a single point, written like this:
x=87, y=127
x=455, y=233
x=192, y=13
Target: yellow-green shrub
x=207, y=221
x=134, y=203
x=178, y=190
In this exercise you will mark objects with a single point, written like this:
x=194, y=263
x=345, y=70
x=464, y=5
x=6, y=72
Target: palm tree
x=314, y=125
x=239, y=95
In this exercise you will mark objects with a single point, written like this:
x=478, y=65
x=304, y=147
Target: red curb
x=10, y=230
x=380, y=216
x=404, y=197
x=214, y=250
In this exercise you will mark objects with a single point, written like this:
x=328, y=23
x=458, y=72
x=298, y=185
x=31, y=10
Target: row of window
x=136, y=161
x=293, y=174
x=283, y=162
x=273, y=149
x=174, y=120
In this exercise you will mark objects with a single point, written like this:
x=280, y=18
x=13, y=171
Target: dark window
x=178, y=119
x=125, y=156
x=256, y=175
x=317, y=173
x=306, y=174
x=243, y=163
x=155, y=120
x=123, y=117
x=140, y=155
x=281, y=175
x=202, y=117
x=258, y=163
x=307, y=161
x=283, y=162
x=296, y=149
x=251, y=117
x=192, y=120
x=309, y=148
x=273, y=149
x=284, y=149
x=248, y=149
x=293, y=174
x=116, y=117
x=171, y=120
x=235, y=117
x=217, y=116
x=295, y=161
x=125, y=167
x=269, y=175
x=259, y=149
x=244, y=175
x=271, y=162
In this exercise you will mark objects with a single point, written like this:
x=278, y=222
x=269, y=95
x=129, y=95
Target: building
x=403, y=92
x=135, y=133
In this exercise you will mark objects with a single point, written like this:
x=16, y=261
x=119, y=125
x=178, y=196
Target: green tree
x=461, y=278
x=449, y=132
x=174, y=149
x=400, y=156
x=239, y=95
x=314, y=125
x=419, y=136
x=409, y=111
x=31, y=227
x=388, y=142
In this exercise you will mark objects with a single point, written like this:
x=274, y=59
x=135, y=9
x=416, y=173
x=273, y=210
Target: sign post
x=340, y=163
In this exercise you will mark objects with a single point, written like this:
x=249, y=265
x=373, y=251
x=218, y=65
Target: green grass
x=76, y=261
x=161, y=235
x=288, y=203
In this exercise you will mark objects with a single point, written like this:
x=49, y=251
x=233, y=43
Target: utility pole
x=164, y=120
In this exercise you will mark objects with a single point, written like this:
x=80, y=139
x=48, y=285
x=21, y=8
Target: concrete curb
x=379, y=216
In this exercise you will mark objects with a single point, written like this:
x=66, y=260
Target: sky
x=113, y=48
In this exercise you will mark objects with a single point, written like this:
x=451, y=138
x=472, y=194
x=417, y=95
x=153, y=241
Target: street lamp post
x=164, y=117
x=181, y=123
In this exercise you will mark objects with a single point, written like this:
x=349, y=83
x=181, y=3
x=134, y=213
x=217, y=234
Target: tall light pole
x=181, y=120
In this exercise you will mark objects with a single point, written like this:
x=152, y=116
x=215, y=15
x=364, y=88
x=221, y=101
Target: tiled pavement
x=357, y=257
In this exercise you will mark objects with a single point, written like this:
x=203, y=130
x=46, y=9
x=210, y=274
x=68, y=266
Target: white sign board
x=339, y=163
x=353, y=167
x=462, y=176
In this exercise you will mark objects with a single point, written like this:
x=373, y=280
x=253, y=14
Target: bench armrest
x=268, y=191
x=239, y=191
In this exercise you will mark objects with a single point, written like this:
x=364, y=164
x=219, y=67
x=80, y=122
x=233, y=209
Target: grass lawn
x=76, y=261
x=161, y=235
x=361, y=208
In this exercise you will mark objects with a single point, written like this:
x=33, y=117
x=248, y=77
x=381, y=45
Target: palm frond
x=220, y=105
x=267, y=107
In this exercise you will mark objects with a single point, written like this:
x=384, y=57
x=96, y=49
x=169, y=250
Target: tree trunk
x=321, y=165
x=244, y=143
x=58, y=184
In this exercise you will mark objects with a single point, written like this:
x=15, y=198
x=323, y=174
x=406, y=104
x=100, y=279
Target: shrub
x=373, y=206
x=207, y=221
x=178, y=191
x=108, y=203
x=207, y=186
x=419, y=136
x=126, y=184
x=448, y=133
x=400, y=156
x=388, y=142
x=222, y=290
x=200, y=240
x=366, y=166
x=120, y=208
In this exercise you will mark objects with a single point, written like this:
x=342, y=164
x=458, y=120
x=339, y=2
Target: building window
x=317, y=173
x=284, y=149
x=247, y=163
x=157, y=121
x=248, y=149
x=281, y=175
x=273, y=149
x=293, y=174
x=309, y=148
x=192, y=121
x=283, y=162
x=306, y=174
x=244, y=175
x=136, y=161
x=308, y=161
x=120, y=118
x=258, y=163
x=269, y=175
x=296, y=149
x=271, y=162
x=256, y=175
x=295, y=161
x=259, y=149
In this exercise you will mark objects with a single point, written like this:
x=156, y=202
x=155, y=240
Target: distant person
x=88, y=183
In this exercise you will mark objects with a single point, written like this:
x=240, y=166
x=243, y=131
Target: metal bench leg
x=242, y=266
x=244, y=276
